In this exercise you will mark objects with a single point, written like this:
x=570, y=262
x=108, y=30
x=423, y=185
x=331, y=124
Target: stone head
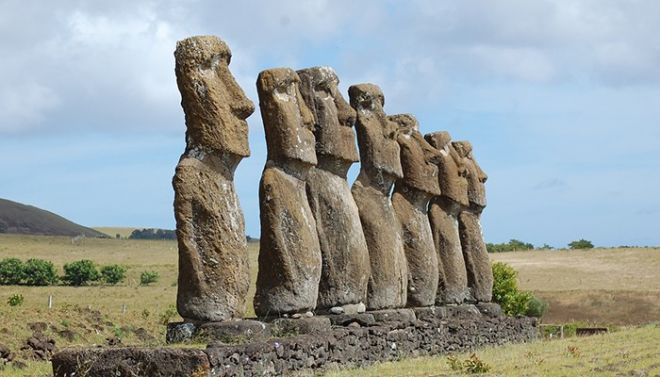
x=288, y=122
x=333, y=116
x=475, y=176
x=215, y=105
x=452, y=175
x=376, y=134
x=418, y=158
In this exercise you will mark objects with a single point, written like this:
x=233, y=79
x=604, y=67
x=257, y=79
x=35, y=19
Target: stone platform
x=432, y=331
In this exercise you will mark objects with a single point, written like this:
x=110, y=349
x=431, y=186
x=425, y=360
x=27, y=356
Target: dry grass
x=630, y=352
x=111, y=231
x=95, y=313
x=607, y=286
x=618, y=286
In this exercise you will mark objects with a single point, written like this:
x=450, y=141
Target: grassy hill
x=19, y=218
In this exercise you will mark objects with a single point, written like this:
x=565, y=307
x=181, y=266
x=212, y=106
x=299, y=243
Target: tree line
x=517, y=245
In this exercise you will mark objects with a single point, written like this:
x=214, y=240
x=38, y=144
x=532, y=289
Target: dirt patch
x=602, y=306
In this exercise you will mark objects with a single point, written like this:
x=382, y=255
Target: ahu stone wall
x=355, y=343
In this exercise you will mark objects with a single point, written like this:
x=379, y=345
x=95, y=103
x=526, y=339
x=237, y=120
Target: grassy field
x=123, y=232
x=610, y=286
x=630, y=352
x=607, y=286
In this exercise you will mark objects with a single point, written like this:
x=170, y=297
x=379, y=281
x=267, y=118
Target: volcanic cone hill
x=25, y=219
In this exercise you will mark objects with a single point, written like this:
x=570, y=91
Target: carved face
x=376, y=134
x=215, y=106
x=418, y=158
x=451, y=170
x=475, y=176
x=287, y=120
x=334, y=118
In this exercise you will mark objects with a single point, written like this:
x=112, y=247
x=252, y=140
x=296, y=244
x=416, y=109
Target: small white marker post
x=50, y=301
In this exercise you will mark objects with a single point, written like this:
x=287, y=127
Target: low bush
x=536, y=307
x=11, y=271
x=148, y=277
x=512, y=300
x=39, y=272
x=113, y=274
x=16, y=300
x=81, y=272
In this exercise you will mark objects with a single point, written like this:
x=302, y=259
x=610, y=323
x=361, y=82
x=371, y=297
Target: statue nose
x=243, y=108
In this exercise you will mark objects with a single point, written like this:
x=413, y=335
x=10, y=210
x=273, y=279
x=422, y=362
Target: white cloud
x=25, y=105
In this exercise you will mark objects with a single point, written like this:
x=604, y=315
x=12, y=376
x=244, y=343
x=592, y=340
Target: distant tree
x=39, y=272
x=153, y=234
x=81, y=272
x=581, y=244
x=512, y=245
x=546, y=247
x=12, y=271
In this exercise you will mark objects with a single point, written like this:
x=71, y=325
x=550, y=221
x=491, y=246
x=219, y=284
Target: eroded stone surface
x=338, y=348
x=345, y=269
x=213, y=266
x=111, y=362
x=443, y=217
x=475, y=254
x=380, y=167
x=289, y=255
x=410, y=201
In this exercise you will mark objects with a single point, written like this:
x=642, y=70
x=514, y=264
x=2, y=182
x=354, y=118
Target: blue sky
x=561, y=100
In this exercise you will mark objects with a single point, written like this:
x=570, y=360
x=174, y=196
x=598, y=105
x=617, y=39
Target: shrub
x=506, y=292
x=475, y=365
x=113, y=274
x=581, y=244
x=148, y=277
x=39, y=272
x=536, y=307
x=80, y=272
x=167, y=315
x=471, y=365
x=16, y=300
x=11, y=271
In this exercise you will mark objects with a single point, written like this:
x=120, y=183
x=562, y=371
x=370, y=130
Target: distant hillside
x=24, y=219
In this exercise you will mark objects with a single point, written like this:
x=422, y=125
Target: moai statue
x=289, y=255
x=443, y=216
x=477, y=262
x=380, y=167
x=410, y=200
x=345, y=270
x=213, y=259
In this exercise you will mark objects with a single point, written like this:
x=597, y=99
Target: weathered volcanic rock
x=380, y=167
x=452, y=284
x=345, y=270
x=110, y=362
x=477, y=262
x=443, y=216
x=410, y=200
x=213, y=264
x=289, y=255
